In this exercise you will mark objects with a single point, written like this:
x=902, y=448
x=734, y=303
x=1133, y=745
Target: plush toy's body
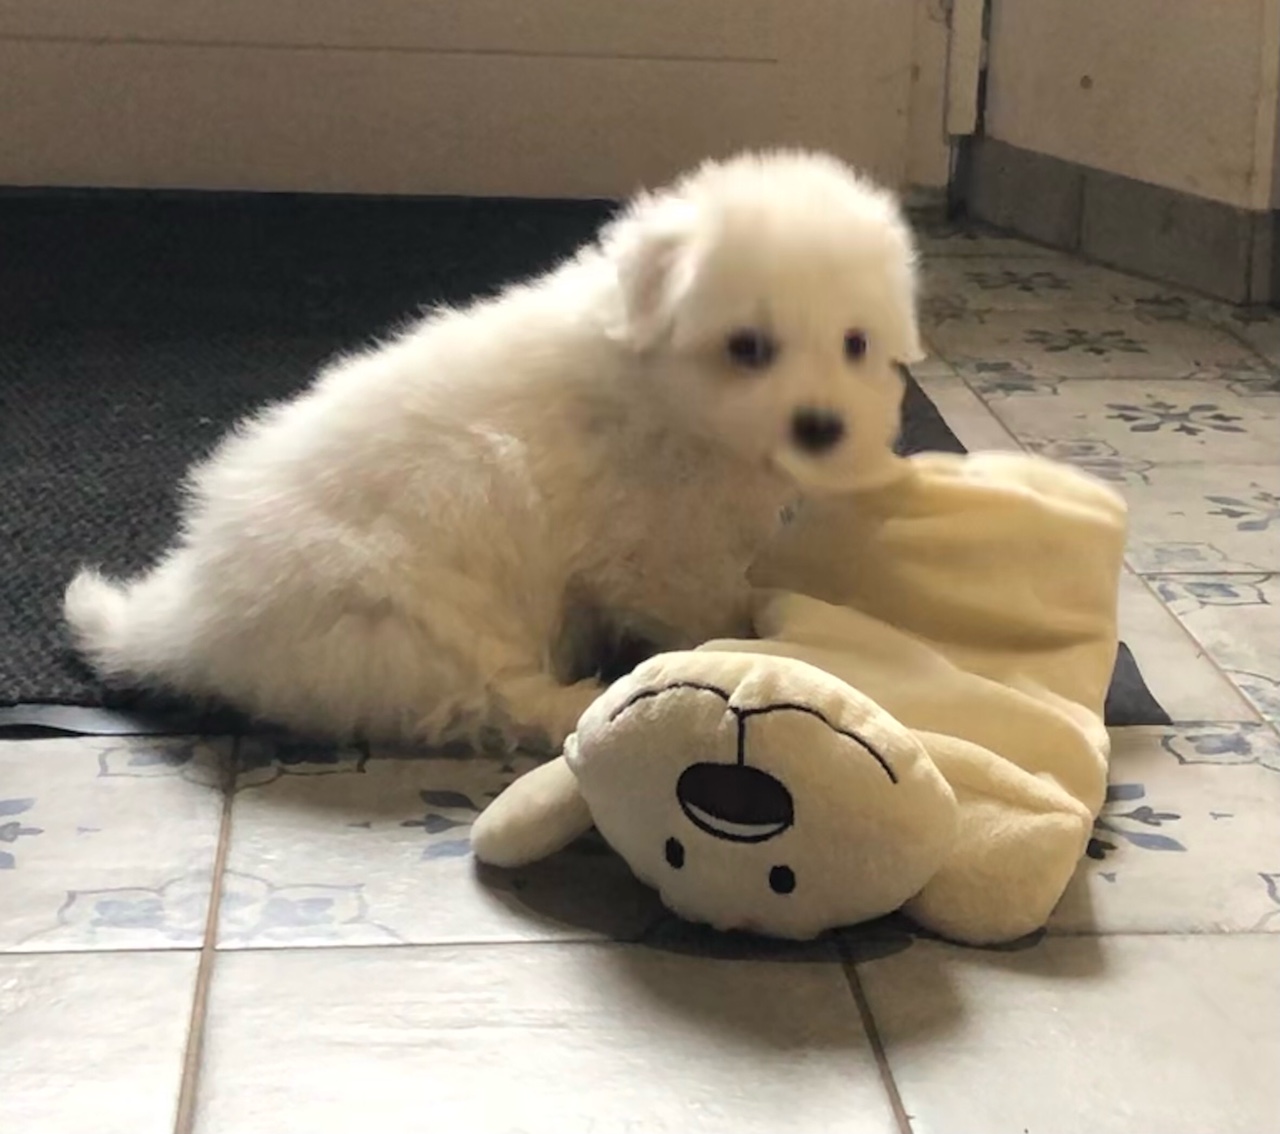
x=919, y=724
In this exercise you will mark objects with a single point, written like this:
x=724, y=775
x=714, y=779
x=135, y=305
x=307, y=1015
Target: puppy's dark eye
x=855, y=345
x=674, y=851
x=753, y=350
x=782, y=880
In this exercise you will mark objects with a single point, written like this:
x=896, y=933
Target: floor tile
x=972, y=285
x=1053, y=345
x=1252, y=383
x=1118, y=429
x=108, y=842
x=931, y=366
x=1111, y=1035
x=1178, y=671
x=941, y=238
x=1203, y=517
x=1259, y=327
x=1236, y=618
x=332, y=848
x=970, y=419
x=94, y=1044
x=969, y=288
x=545, y=1037
x=1188, y=840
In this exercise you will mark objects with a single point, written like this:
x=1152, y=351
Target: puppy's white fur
x=418, y=546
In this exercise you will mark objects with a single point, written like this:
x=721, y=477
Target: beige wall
x=1269, y=103
x=1275, y=169
x=928, y=146
x=553, y=97
x=1180, y=93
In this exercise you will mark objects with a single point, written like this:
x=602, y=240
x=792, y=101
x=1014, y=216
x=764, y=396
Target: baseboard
x=1222, y=250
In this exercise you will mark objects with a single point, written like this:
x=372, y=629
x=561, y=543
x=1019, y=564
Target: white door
x=522, y=97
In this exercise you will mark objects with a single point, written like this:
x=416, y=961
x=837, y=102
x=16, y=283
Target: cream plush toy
x=919, y=724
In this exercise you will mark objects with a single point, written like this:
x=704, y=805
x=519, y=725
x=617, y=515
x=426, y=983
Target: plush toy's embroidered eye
x=855, y=345
x=752, y=350
x=782, y=880
x=675, y=853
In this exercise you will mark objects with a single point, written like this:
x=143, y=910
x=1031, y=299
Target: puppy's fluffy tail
x=97, y=610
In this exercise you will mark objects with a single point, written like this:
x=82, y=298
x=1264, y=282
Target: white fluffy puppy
x=438, y=537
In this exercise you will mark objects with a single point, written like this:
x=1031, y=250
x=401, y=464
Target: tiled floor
x=277, y=939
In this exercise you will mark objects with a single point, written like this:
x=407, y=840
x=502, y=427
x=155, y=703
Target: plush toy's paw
x=539, y=814
x=761, y=793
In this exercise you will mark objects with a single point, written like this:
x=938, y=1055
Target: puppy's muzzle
x=816, y=431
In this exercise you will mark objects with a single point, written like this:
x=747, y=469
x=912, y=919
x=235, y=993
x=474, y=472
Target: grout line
x=1204, y=574
x=872, y=1030
x=604, y=942
x=619, y=943
x=966, y=385
x=139, y=951
x=1150, y=380
x=981, y=405
x=184, y=1116
x=214, y=43
x=1038, y=253
x=1051, y=934
x=1200, y=647
x=1231, y=331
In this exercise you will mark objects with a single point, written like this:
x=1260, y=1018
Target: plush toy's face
x=758, y=795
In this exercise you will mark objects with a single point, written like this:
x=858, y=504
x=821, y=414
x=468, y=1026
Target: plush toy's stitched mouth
x=735, y=802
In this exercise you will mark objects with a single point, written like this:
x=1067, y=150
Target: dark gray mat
x=137, y=328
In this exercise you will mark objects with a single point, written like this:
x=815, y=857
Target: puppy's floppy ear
x=649, y=246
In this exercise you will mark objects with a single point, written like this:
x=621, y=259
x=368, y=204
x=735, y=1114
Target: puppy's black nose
x=816, y=431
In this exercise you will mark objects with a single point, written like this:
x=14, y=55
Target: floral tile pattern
x=1120, y=425
x=92, y=830
x=14, y=829
x=1214, y=517
x=983, y=285
x=363, y=972
x=1058, y=344
x=1187, y=837
x=333, y=847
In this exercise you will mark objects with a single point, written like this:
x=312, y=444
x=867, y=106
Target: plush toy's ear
x=649, y=248
x=536, y=816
